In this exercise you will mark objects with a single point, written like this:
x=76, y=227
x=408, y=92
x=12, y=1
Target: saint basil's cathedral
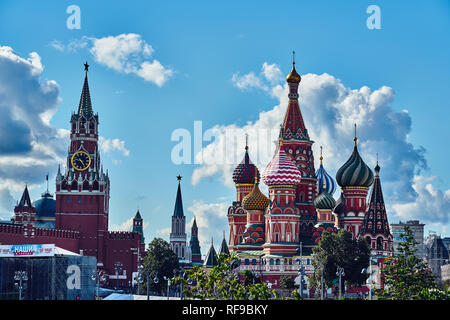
x=272, y=235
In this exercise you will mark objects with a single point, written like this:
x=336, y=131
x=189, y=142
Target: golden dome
x=293, y=76
x=255, y=200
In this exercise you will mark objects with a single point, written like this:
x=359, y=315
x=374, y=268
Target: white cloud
x=109, y=145
x=247, y=81
x=127, y=226
x=127, y=53
x=29, y=146
x=431, y=206
x=272, y=72
x=211, y=222
x=164, y=232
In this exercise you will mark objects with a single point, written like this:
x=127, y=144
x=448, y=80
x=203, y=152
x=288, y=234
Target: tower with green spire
x=196, y=254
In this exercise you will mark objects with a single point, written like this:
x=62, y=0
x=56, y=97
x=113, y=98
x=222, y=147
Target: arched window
x=277, y=262
x=379, y=243
x=271, y=262
x=254, y=262
x=247, y=262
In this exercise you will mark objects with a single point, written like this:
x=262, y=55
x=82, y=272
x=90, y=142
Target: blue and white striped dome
x=324, y=181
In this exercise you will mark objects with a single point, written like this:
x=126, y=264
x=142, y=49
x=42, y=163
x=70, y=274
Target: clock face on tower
x=81, y=160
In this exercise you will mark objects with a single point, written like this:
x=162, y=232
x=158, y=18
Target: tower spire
x=85, y=106
x=355, y=138
x=178, y=211
x=321, y=158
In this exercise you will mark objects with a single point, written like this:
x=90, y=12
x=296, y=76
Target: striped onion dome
x=255, y=200
x=324, y=181
x=281, y=170
x=246, y=171
x=324, y=201
x=354, y=173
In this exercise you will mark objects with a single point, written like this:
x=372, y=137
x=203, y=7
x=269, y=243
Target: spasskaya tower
x=82, y=191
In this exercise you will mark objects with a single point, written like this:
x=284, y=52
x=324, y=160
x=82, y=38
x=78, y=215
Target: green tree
x=339, y=250
x=407, y=277
x=287, y=282
x=249, y=277
x=161, y=259
x=220, y=282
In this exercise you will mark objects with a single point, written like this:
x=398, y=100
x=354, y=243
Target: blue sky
x=202, y=45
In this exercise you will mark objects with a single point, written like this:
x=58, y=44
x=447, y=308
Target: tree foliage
x=287, y=282
x=340, y=250
x=407, y=277
x=220, y=283
x=162, y=260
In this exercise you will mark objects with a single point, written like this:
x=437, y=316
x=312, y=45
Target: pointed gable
x=211, y=257
x=375, y=219
x=224, y=247
x=25, y=201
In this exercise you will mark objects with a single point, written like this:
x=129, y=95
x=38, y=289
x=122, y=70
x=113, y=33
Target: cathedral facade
x=77, y=219
x=274, y=234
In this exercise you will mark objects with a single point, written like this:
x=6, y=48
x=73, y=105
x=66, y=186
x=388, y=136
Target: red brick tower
x=82, y=192
x=297, y=144
x=24, y=212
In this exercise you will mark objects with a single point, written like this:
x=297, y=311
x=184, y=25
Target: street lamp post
x=370, y=277
x=321, y=285
x=139, y=279
x=98, y=276
x=340, y=272
x=301, y=270
x=20, y=276
x=168, y=285
x=154, y=276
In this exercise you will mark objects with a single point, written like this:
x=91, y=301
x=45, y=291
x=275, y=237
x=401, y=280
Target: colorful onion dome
x=246, y=171
x=354, y=173
x=324, y=201
x=255, y=200
x=282, y=170
x=293, y=76
x=324, y=181
x=340, y=204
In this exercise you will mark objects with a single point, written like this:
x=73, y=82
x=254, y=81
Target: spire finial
x=293, y=56
x=86, y=67
x=321, y=158
x=246, y=142
x=355, y=139
x=179, y=177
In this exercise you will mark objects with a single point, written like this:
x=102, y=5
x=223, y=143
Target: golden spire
x=293, y=76
x=246, y=142
x=321, y=158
